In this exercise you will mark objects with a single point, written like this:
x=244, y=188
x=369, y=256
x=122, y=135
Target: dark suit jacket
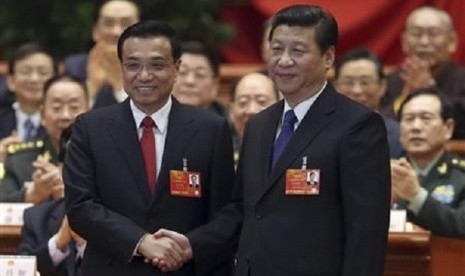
x=107, y=196
x=76, y=66
x=105, y=97
x=341, y=231
x=393, y=135
x=8, y=119
x=8, y=122
x=41, y=222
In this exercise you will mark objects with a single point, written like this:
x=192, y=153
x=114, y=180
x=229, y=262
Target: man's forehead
x=423, y=103
x=154, y=46
x=118, y=9
x=358, y=67
x=426, y=18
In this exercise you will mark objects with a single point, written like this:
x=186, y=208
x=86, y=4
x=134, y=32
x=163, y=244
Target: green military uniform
x=443, y=212
x=18, y=167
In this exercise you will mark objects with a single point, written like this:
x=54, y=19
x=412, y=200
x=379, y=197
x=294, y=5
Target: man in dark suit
x=284, y=227
x=30, y=67
x=360, y=76
x=124, y=180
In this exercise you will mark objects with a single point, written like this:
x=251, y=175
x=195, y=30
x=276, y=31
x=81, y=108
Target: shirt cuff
x=417, y=202
x=56, y=254
x=135, y=253
x=80, y=250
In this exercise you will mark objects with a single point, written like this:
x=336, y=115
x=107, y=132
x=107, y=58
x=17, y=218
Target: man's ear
x=449, y=125
x=329, y=57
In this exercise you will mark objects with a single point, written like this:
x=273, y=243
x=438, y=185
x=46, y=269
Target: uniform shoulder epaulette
x=25, y=146
x=458, y=162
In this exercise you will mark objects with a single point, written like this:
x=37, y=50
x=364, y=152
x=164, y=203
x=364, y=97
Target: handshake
x=168, y=250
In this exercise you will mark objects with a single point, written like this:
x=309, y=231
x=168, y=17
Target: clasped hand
x=165, y=249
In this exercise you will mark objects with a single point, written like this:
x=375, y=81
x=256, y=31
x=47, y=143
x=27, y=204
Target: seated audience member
x=430, y=182
x=199, y=78
x=26, y=178
x=46, y=233
x=28, y=70
x=359, y=76
x=253, y=93
x=428, y=41
x=100, y=67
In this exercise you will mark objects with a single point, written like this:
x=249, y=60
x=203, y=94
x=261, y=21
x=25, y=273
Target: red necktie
x=147, y=144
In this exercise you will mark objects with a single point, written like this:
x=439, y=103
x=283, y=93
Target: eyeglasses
x=134, y=67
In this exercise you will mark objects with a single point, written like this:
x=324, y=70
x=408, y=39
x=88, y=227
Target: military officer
x=30, y=173
x=430, y=182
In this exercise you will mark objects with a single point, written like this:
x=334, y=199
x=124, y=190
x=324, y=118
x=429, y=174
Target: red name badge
x=186, y=184
x=303, y=182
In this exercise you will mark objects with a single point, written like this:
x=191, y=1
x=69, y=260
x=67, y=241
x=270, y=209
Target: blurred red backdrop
x=375, y=24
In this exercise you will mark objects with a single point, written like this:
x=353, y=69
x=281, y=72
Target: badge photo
x=185, y=184
x=303, y=182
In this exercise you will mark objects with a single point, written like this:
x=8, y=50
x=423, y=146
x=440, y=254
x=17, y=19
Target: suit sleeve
x=442, y=219
x=222, y=168
x=366, y=191
x=86, y=213
x=33, y=244
x=220, y=236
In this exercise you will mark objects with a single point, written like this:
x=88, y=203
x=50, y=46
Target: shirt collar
x=160, y=117
x=21, y=116
x=302, y=108
x=428, y=168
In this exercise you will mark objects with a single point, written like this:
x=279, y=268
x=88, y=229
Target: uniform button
x=258, y=217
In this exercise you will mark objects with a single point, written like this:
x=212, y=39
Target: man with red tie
x=128, y=165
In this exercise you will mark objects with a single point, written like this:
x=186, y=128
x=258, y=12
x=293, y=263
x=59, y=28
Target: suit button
x=258, y=217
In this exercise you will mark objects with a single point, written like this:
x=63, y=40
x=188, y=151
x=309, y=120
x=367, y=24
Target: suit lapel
x=181, y=130
x=267, y=138
x=313, y=123
x=124, y=132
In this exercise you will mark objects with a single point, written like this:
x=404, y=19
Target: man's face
x=312, y=177
x=149, y=71
x=29, y=76
x=423, y=133
x=63, y=102
x=359, y=80
x=196, y=84
x=254, y=93
x=296, y=63
x=428, y=37
x=115, y=16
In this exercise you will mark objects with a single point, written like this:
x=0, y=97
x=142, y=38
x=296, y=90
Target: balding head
x=429, y=34
x=432, y=13
x=253, y=93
